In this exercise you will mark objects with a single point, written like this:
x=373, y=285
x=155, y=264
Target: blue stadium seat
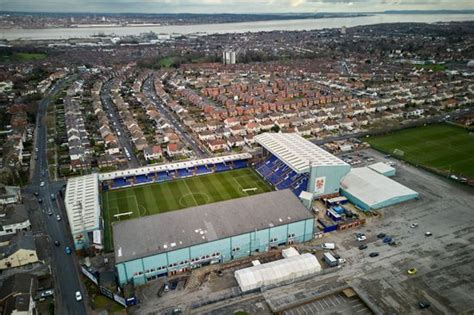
x=120, y=182
x=141, y=179
x=183, y=172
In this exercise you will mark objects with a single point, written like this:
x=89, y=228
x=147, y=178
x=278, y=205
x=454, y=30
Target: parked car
x=53, y=197
x=68, y=250
x=414, y=225
x=428, y=233
x=361, y=237
x=40, y=200
x=363, y=246
x=78, y=296
x=56, y=243
x=58, y=217
x=373, y=254
x=328, y=246
x=381, y=235
x=36, y=193
x=423, y=304
x=412, y=271
x=42, y=184
x=387, y=239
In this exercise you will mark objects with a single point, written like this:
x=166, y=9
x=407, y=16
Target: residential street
x=64, y=266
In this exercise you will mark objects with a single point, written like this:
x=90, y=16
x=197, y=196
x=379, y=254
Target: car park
x=374, y=254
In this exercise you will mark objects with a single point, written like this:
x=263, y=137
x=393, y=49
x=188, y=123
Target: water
x=287, y=25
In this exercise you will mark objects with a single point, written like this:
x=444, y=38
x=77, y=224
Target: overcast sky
x=230, y=6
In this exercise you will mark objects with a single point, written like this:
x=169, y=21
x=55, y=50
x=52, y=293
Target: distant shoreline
x=64, y=34
x=245, y=19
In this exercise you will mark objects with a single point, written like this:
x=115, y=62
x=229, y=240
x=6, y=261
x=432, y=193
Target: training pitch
x=177, y=194
x=445, y=148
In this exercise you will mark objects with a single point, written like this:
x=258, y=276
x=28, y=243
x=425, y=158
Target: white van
x=328, y=246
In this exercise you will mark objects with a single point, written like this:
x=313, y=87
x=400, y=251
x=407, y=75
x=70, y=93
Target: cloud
x=229, y=6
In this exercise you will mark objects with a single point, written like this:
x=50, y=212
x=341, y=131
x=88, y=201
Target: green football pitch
x=442, y=147
x=143, y=200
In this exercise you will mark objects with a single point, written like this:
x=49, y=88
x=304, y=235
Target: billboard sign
x=319, y=185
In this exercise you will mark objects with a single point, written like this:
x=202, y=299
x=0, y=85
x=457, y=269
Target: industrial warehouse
x=227, y=209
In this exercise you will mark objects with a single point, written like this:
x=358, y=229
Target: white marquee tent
x=277, y=271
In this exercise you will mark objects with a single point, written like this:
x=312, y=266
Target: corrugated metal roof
x=373, y=188
x=169, y=231
x=82, y=203
x=297, y=152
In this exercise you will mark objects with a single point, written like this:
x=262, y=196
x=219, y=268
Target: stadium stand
x=145, y=175
x=281, y=175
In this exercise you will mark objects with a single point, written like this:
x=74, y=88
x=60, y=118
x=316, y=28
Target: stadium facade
x=175, y=242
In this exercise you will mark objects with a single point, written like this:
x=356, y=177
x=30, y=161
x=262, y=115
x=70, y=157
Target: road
x=114, y=118
x=150, y=93
x=64, y=267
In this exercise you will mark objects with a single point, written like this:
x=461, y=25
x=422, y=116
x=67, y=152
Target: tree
x=275, y=128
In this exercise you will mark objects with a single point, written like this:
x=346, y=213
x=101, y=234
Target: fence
x=106, y=291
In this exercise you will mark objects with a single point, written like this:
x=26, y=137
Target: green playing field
x=177, y=194
x=444, y=147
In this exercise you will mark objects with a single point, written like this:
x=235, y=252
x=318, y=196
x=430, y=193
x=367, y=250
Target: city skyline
x=235, y=6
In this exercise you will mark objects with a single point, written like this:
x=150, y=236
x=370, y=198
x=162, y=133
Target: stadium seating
x=240, y=164
x=282, y=176
x=202, y=169
x=220, y=167
x=142, y=179
x=120, y=182
x=183, y=173
x=163, y=176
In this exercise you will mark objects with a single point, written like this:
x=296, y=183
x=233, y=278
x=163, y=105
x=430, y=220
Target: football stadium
x=165, y=219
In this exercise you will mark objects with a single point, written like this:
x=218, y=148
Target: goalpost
x=118, y=215
x=249, y=189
